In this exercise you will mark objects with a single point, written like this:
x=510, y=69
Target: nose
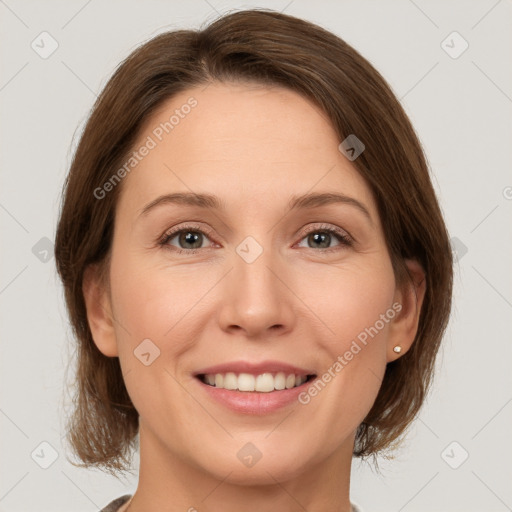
x=256, y=298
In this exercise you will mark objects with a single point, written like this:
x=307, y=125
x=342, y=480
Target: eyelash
x=344, y=239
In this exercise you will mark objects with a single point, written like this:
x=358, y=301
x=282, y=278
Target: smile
x=262, y=383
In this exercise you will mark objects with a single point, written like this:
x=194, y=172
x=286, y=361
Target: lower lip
x=254, y=402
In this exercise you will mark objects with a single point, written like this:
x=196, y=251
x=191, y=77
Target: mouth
x=254, y=388
x=266, y=382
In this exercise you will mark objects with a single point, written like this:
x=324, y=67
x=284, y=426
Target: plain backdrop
x=457, y=454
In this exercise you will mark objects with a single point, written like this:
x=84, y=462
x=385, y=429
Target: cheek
x=349, y=300
x=161, y=305
x=168, y=305
x=150, y=297
x=355, y=307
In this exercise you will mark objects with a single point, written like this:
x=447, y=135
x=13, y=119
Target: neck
x=170, y=482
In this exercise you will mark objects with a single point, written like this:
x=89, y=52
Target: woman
x=256, y=268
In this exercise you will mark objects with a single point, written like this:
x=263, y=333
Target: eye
x=320, y=237
x=188, y=238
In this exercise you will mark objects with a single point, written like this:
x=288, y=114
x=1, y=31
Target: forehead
x=243, y=138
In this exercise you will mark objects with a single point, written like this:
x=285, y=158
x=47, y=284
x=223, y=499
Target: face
x=254, y=280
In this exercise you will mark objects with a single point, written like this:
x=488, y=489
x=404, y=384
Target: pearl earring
x=397, y=349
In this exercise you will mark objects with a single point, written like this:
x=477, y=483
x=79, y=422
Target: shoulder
x=113, y=506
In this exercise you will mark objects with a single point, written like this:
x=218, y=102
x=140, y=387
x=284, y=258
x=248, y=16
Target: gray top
x=113, y=506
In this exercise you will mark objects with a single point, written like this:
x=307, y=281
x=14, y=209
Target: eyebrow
x=311, y=200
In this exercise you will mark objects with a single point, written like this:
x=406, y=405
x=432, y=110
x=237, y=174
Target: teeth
x=264, y=383
x=230, y=381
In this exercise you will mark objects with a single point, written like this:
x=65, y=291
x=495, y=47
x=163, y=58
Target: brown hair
x=271, y=48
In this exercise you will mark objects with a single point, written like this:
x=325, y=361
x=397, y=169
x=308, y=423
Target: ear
x=404, y=326
x=99, y=311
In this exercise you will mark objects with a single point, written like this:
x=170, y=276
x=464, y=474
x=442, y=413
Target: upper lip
x=255, y=368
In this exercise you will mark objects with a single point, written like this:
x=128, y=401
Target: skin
x=253, y=147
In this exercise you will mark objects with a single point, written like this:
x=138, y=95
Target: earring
x=397, y=349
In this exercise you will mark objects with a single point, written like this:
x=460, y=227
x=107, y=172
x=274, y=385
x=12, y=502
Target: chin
x=259, y=463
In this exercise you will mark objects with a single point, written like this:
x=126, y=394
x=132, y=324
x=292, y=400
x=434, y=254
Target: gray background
x=461, y=108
